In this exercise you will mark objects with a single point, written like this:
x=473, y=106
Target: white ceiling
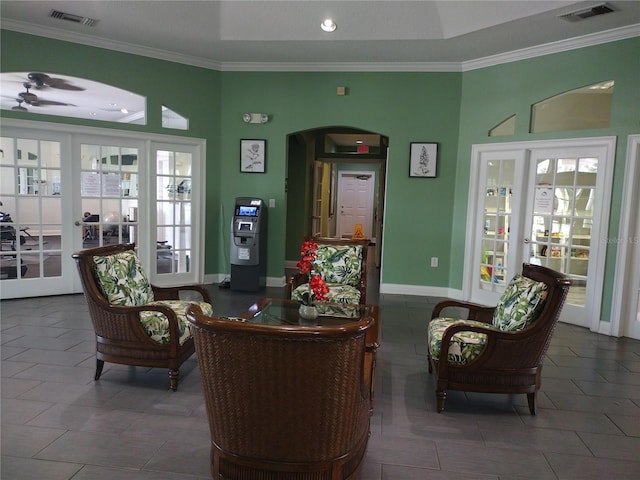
x=230, y=34
x=378, y=35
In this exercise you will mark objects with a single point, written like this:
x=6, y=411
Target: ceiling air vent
x=585, y=13
x=89, y=22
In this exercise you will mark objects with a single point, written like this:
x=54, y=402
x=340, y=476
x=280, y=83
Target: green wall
x=406, y=107
x=453, y=109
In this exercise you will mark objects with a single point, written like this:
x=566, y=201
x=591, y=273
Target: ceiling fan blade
x=51, y=103
x=42, y=80
x=28, y=97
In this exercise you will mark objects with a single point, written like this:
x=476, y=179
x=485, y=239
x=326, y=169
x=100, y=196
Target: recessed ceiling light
x=328, y=25
x=124, y=110
x=359, y=141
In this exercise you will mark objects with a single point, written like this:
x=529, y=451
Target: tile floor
x=58, y=424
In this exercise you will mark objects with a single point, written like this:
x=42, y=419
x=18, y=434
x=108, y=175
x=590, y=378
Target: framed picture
x=253, y=156
x=423, y=158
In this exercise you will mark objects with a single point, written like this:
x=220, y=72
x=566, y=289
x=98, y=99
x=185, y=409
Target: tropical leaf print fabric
x=156, y=324
x=463, y=347
x=123, y=280
x=337, y=293
x=519, y=304
x=339, y=264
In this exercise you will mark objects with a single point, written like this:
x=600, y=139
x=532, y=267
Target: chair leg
x=532, y=399
x=441, y=398
x=173, y=379
x=99, y=366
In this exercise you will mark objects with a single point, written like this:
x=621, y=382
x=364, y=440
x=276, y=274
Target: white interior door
x=109, y=194
x=355, y=202
x=545, y=203
x=36, y=227
x=566, y=219
x=496, y=207
x=177, y=216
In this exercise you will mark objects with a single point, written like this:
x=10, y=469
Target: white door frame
x=470, y=272
x=627, y=277
x=70, y=133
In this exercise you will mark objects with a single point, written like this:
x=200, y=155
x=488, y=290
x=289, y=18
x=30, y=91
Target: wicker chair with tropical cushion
x=285, y=402
x=136, y=323
x=342, y=264
x=498, y=349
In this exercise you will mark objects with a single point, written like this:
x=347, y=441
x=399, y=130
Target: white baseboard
x=220, y=277
x=420, y=290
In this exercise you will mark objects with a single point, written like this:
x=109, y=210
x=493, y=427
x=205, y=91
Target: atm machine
x=248, y=245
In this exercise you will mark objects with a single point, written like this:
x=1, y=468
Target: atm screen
x=244, y=211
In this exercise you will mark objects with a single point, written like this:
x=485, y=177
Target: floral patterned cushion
x=337, y=293
x=339, y=264
x=463, y=347
x=123, y=280
x=156, y=324
x=519, y=304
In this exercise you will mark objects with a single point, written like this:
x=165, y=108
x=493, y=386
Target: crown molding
x=616, y=34
x=342, y=67
x=93, y=41
x=612, y=35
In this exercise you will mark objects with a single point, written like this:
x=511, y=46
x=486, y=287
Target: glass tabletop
x=273, y=311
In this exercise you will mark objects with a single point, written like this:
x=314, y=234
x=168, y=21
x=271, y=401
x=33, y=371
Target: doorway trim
x=624, y=280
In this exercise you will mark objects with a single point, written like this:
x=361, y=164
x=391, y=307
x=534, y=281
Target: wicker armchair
x=498, y=349
x=284, y=402
x=135, y=323
x=342, y=263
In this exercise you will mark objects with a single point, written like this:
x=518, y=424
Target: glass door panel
x=563, y=218
x=174, y=211
x=109, y=194
x=496, y=259
x=30, y=192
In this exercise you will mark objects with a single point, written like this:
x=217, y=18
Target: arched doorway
x=317, y=160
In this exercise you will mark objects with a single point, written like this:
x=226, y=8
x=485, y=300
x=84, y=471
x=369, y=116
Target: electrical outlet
x=434, y=261
x=272, y=203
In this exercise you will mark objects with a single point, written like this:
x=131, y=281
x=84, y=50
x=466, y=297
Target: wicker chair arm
x=480, y=313
x=173, y=293
x=492, y=334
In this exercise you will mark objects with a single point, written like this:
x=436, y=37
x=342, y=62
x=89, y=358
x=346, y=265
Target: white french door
x=545, y=203
x=36, y=209
x=64, y=188
x=178, y=215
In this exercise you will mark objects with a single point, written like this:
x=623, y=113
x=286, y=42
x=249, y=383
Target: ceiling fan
x=42, y=80
x=33, y=100
x=19, y=107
